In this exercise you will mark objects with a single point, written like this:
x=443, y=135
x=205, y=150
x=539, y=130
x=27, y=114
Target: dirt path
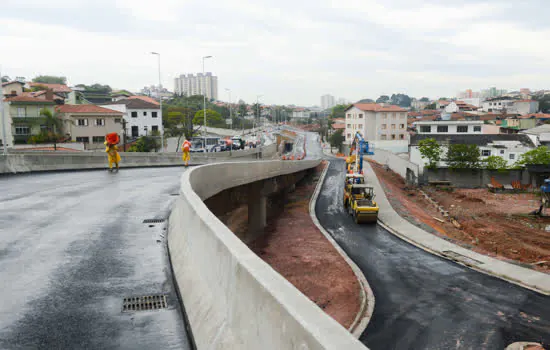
x=297, y=250
x=491, y=224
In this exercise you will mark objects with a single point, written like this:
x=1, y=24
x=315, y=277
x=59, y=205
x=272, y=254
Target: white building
x=300, y=113
x=141, y=117
x=188, y=85
x=508, y=146
x=418, y=105
x=327, y=101
x=512, y=106
x=376, y=122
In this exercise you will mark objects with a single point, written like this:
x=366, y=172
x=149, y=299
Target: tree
x=50, y=79
x=337, y=139
x=242, y=109
x=431, y=151
x=540, y=155
x=339, y=111
x=213, y=118
x=53, y=124
x=383, y=99
x=39, y=88
x=431, y=106
x=424, y=99
x=5, y=79
x=495, y=163
x=145, y=144
x=366, y=100
x=461, y=156
x=256, y=110
x=544, y=103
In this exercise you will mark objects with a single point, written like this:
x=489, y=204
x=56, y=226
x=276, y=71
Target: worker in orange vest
x=186, y=147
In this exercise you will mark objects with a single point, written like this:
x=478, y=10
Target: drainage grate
x=462, y=258
x=153, y=221
x=149, y=302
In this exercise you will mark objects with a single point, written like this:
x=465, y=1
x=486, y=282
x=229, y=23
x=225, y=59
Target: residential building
x=509, y=147
x=519, y=123
x=59, y=89
x=145, y=98
x=189, y=84
x=376, y=122
x=454, y=127
x=23, y=117
x=141, y=117
x=156, y=91
x=327, y=101
x=89, y=123
x=301, y=113
x=492, y=92
x=12, y=88
x=540, y=134
x=510, y=105
x=459, y=106
x=419, y=105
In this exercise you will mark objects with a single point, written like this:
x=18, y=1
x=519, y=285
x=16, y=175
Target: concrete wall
x=233, y=299
x=400, y=165
x=475, y=178
x=51, y=161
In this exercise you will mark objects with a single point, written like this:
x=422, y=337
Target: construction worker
x=111, y=149
x=185, y=148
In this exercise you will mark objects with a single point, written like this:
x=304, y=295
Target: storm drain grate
x=462, y=258
x=149, y=302
x=153, y=221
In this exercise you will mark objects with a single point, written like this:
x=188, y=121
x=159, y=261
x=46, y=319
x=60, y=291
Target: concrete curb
x=366, y=309
x=526, y=278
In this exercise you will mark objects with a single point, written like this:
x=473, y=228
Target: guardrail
x=233, y=299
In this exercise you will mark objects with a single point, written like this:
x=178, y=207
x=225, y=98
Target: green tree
x=256, y=110
x=39, y=88
x=431, y=151
x=383, y=99
x=424, y=99
x=461, y=156
x=53, y=125
x=145, y=144
x=339, y=111
x=540, y=156
x=544, y=103
x=366, y=100
x=495, y=163
x=50, y=79
x=213, y=118
x=337, y=140
x=5, y=79
x=242, y=110
x=431, y=106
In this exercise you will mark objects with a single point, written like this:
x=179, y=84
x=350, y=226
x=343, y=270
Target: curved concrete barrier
x=233, y=299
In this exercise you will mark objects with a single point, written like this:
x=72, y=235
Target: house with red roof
x=89, y=123
x=376, y=122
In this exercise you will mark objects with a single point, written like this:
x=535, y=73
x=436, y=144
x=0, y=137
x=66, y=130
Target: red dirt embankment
x=494, y=224
x=297, y=250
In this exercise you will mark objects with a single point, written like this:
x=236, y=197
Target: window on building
x=84, y=139
x=383, y=137
x=477, y=128
x=462, y=128
x=155, y=115
x=82, y=122
x=100, y=122
x=393, y=137
x=486, y=152
x=394, y=115
x=22, y=130
x=134, y=114
x=393, y=126
x=156, y=128
x=401, y=136
x=426, y=128
x=21, y=112
x=501, y=151
x=349, y=116
x=349, y=125
x=383, y=126
x=512, y=156
x=349, y=135
x=442, y=128
x=98, y=139
x=118, y=121
x=401, y=126
x=144, y=113
x=384, y=115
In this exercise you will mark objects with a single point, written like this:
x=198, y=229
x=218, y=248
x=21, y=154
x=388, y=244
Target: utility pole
x=204, y=101
x=230, y=113
x=160, y=99
x=2, y=115
x=124, y=133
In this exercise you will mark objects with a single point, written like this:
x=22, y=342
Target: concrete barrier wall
x=475, y=178
x=396, y=163
x=50, y=161
x=233, y=299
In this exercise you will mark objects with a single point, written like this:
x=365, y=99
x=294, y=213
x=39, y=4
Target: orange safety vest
x=186, y=146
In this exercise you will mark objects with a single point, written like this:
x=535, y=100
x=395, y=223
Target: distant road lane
x=72, y=246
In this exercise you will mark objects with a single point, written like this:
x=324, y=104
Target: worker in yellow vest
x=186, y=147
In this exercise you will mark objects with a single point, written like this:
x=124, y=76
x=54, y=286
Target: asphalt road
x=426, y=302
x=72, y=246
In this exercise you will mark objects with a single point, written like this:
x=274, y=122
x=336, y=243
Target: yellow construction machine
x=359, y=200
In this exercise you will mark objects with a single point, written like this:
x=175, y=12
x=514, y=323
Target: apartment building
x=511, y=106
x=376, y=122
x=201, y=84
x=327, y=101
x=141, y=117
x=455, y=127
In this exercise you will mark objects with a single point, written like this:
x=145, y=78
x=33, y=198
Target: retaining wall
x=402, y=166
x=475, y=178
x=233, y=299
x=51, y=161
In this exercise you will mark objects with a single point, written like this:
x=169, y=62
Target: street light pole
x=204, y=99
x=230, y=113
x=2, y=115
x=160, y=99
x=258, y=108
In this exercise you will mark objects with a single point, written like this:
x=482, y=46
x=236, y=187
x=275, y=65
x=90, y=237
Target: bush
x=145, y=144
x=463, y=156
x=496, y=163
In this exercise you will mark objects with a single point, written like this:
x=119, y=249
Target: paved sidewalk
x=394, y=223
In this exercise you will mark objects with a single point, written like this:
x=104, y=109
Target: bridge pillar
x=257, y=211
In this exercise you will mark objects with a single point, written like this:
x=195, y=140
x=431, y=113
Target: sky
x=290, y=52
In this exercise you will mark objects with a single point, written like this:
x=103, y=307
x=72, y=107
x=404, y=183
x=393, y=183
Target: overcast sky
x=289, y=51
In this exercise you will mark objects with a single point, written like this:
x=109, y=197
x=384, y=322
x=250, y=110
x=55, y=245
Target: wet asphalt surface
x=426, y=302
x=72, y=246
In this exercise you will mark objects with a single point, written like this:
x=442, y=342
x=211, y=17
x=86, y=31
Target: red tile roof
x=525, y=101
x=28, y=97
x=87, y=109
x=62, y=88
x=376, y=107
x=338, y=126
x=12, y=82
x=144, y=98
